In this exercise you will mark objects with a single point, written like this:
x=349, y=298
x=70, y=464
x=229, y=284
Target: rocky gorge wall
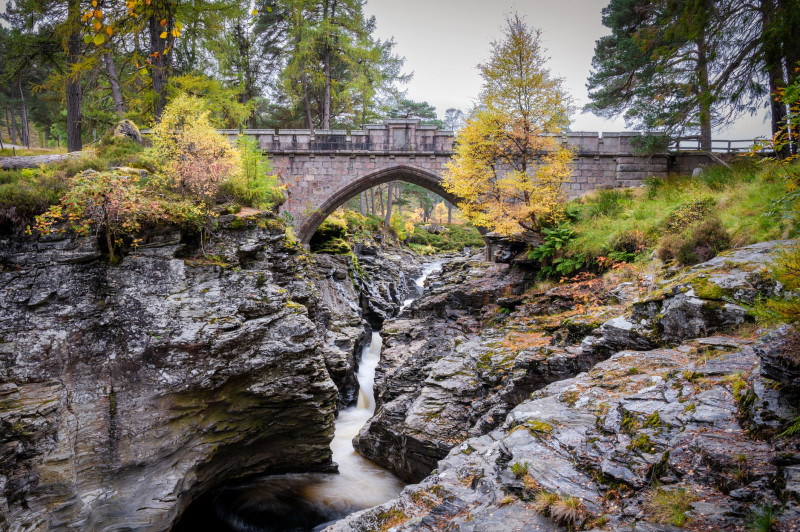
x=128, y=390
x=594, y=405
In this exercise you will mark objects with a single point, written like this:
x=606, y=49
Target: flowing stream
x=303, y=502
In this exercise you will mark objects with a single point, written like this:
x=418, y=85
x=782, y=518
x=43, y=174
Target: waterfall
x=311, y=501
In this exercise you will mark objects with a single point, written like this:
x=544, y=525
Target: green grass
x=24, y=194
x=741, y=198
x=762, y=519
x=670, y=506
x=19, y=152
x=31, y=191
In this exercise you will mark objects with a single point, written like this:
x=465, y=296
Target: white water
x=299, y=500
x=427, y=269
x=360, y=483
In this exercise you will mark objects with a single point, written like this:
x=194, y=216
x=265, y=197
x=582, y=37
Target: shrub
x=544, y=501
x=331, y=236
x=699, y=243
x=551, y=257
x=688, y=213
x=519, y=469
x=255, y=185
x=120, y=151
x=632, y=242
x=567, y=511
x=24, y=194
x=108, y=201
x=191, y=157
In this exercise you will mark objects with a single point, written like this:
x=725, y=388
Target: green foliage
x=453, y=237
x=688, y=213
x=650, y=144
x=111, y=202
x=255, y=185
x=762, y=519
x=609, y=202
x=786, y=270
x=792, y=429
x=25, y=194
x=121, y=151
x=742, y=199
x=519, y=469
x=554, y=263
x=660, y=65
x=192, y=157
x=700, y=242
x=223, y=104
x=670, y=506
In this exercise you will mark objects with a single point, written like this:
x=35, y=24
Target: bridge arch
x=401, y=172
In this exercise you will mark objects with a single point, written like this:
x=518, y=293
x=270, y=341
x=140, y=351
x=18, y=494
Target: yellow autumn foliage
x=509, y=166
x=191, y=156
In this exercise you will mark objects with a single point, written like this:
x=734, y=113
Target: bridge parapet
x=393, y=136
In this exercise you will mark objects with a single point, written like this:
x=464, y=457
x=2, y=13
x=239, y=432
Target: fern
x=793, y=429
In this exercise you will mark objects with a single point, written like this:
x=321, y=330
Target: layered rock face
x=127, y=390
x=353, y=295
x=571, y=406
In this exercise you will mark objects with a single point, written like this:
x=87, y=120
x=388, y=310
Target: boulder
x=127, y=129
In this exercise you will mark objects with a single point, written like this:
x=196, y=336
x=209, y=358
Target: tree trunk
x=113, y=80
x=157, y=60
x=73, y=87
x=789, y=10
x=372, y=199
x=8, y=125
x=362, y=201
x=26, y=133
x=110, y=244
x=326, y=97
x=449, y=212
x=13, y=126
x=389, y=199
x=399, y=199
x=790, y=14
x=704, y=95
x=774, y=69
x=307, y=106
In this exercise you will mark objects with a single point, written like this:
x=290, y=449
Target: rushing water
x=427, y=269
x=302, y=502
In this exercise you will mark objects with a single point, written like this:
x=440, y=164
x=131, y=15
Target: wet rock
x=166, y=371
x=584, y=391
x=779, y=352
x=604, y=437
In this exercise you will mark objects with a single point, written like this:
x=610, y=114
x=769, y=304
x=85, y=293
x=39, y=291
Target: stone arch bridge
x=324, y=169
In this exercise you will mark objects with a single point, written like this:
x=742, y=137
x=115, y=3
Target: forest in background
x=72, y=69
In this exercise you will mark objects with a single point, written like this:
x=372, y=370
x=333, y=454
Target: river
x=305, y=502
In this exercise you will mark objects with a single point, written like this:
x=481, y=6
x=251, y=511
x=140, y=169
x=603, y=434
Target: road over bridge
x=324, y=169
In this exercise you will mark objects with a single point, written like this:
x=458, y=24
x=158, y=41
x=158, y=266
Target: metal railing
x=692, y=143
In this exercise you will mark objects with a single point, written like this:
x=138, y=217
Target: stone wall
x=325, y=168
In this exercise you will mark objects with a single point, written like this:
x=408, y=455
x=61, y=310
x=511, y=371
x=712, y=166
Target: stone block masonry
x=323, y=169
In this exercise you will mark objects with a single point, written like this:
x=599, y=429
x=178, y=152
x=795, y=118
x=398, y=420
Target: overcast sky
x=444, y=40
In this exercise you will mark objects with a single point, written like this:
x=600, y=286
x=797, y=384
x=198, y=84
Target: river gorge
x=273, y=389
